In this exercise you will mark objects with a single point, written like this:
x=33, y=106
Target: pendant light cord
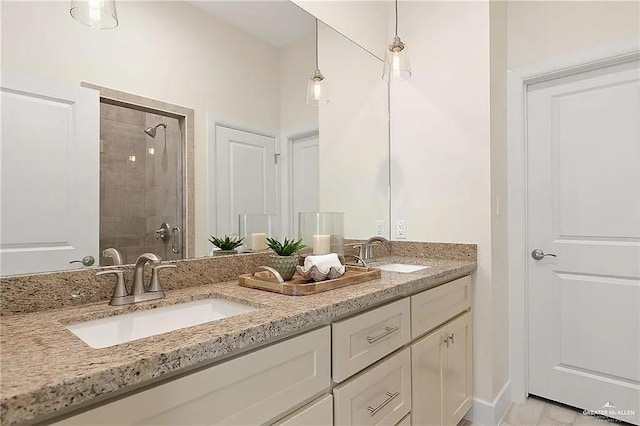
x=396, y=18
x=316, y=43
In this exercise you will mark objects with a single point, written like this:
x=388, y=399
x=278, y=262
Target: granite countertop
x=45, y=368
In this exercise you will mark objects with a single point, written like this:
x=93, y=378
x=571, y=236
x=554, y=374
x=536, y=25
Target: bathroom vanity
x=391, y=351
x=411, y=357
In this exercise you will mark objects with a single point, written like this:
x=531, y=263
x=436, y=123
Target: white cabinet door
x=50, y=174
x=426, y=380
x=584, y=206
x=245, y=177
x=249, y=390
x=442, y=376
x=457, y=377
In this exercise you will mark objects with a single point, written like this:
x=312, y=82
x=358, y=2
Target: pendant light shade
x=396, y=59
x=317, y=89
x=317, y=93
x=98, y=14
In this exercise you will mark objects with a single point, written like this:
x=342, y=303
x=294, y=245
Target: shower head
x=151, y=131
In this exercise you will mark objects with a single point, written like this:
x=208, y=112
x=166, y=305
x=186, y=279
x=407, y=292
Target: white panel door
x=245, y=176
x=305, y=177
x=49, y=154
x=584, y=207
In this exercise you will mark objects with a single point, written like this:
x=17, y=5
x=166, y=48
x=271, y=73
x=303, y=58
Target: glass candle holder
x=321, y=232
x=255, y=229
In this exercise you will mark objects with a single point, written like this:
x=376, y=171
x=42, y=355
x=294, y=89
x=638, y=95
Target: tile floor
x=536, y=411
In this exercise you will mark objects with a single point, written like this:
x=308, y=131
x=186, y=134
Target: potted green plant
x=286, y=259
x=226, y=244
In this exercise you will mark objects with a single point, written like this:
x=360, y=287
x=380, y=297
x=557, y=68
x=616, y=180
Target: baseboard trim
x=491, y=413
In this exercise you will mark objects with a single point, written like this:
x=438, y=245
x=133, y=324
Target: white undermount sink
x=114, y=330
x=401, y=267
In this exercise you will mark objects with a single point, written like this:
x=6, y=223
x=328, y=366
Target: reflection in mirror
x=159, y=133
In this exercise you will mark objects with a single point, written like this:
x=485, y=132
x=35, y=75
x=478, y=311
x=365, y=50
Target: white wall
x=297, y=62
x=540, y=30
x=363, y=21
x=170, y=51
x=499, y=191
x=354, y=135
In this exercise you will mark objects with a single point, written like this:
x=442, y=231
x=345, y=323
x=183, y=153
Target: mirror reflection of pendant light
x=97, y=14
x=396, y=59
x=317, y=85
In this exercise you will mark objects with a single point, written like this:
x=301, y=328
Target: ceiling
x=278, y=22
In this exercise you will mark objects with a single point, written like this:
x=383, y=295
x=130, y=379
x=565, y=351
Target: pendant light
x=97, y=14
x=317, y=86
x=396, y=59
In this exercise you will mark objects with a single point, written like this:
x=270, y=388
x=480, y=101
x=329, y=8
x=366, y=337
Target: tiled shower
x=140, y=183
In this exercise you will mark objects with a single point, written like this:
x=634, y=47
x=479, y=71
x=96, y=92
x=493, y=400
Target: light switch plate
x=401, y=229
x=380, y=227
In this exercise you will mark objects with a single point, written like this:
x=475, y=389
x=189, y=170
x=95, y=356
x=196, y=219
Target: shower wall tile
x=173, y=125
x=121, y=135
x=122, y=114
x=152, y=196
x=123, y=227
x=111, y=200
x=123, y=202
x=133, y=201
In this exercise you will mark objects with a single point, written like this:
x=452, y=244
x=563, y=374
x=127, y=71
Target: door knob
x=538, y=254
x=86, y=261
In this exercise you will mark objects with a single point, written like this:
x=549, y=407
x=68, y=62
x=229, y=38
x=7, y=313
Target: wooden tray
x=298, y=286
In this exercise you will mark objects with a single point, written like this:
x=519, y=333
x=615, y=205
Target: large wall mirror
x=185, y=116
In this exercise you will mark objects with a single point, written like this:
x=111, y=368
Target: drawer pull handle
x=387, y=331
x=390, y=397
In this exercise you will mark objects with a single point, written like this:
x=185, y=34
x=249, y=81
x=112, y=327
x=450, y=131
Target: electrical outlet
x=401, y=229
x=380, y=227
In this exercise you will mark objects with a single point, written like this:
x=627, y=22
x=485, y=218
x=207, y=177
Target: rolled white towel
x=323, y=262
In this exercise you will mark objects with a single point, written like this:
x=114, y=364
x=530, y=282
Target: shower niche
x=141, y=182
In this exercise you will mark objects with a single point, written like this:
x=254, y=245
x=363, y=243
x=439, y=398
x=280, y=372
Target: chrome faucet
x=366, y=248
x=114, y=254
x=138, y=286
x=138, y=292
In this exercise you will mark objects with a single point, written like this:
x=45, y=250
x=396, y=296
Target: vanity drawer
x=250, y=389
x=381, y=395
x=362, y=340
x=316, y=413
x=434, y=307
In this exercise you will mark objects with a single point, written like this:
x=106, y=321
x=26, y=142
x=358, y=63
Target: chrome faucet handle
x=120, y=290
x=155, y=276
x=360, y=248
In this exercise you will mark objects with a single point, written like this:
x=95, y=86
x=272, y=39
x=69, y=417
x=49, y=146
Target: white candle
x=321, y=244
x=258, y=241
